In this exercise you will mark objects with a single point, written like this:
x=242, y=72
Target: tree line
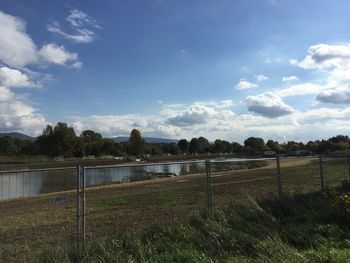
x=61, y=140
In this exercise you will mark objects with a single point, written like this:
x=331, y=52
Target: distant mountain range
x=147, y=139
x=22, y=136
x=17, y=135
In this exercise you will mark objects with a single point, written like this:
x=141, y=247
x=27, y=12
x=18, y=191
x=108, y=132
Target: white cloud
x=300, y=90
x=244, y=84
x=15, y=115
x=173, y=121
x=18, y=52
x=323, y=56
x=223, y=123
x=336, y=96
x=200, y=113
x=16, y=47
x=78, y=18
x=58, y=55
x=290, y=78
x=14, y=78
x=82, y=26
x=268, y=105
x=333, y=60
x=261, y=77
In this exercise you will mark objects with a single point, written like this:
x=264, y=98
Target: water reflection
x=33, y=183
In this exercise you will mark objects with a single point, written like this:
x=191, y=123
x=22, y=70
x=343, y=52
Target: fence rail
x=87, y=202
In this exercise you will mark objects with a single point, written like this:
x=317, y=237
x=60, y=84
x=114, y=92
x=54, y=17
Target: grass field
x=30, y=225
x=309, y=227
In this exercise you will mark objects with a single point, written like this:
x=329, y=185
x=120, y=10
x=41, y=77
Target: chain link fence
x=134, y=197
x=70, y=206
x=37, y=211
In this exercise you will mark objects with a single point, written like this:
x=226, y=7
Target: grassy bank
x=310, y=227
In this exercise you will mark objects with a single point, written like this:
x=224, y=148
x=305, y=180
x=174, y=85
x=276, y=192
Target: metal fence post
x=83, y=207
x=209, y=187
x=78, y=210
x=321, y=174
x=278, y=175
x=80, y=238
x=348, y=158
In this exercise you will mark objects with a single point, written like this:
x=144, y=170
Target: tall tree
x=183, y=145
x=92, y=142
x=254, y=144
x=203, y=145
x=60, y=140
x=194, y=146
x=136, y=146
x=7, y=146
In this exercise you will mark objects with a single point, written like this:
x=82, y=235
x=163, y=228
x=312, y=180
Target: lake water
x=36, y=182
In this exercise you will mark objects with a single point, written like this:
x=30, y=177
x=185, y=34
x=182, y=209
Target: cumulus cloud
x=222, y=123
x=244, y=84
x=197, y=114
x=261, y=77
x=16, y=47
x=14, y=78
x=55, y=54
x=268, y=105
x=15, y=115
x=173, y=121
x=17, y=53
x=300, y=90
x=81, y=24
x=290, y=78
x=336, y=96
x=323, y=56
x=333, y=60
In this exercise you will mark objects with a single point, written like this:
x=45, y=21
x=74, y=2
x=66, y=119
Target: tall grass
x=299, y=228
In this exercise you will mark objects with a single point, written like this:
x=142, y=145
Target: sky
x=276, y=69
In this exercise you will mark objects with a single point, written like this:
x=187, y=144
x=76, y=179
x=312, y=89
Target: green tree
x=136, y=146
x=254, y=144
x=183, y=145
x=45, y=141
x=203, y=145
x=92, y=142
x=194, y=146
x=7, y=146
x=60, y=140
x=171, y=148
x=219, y=146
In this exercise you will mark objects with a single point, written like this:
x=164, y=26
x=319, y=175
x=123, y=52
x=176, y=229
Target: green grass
x=299, y=228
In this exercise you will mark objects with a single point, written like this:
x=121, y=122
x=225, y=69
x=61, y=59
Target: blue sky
x=180, y=69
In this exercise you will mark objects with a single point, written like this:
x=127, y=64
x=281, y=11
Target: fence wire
x=133, y=198
x=37, y=211
x=50, y=207
x=335, y=171
x=234, y=180
x=300, y=174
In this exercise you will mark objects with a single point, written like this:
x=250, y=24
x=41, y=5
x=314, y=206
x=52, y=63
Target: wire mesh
x=39, y=207
x=300, y=174
x=335, y=170
x=134, y=197
x=37, y=210
x=235, y=180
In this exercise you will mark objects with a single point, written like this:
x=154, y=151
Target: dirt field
x=113, y=209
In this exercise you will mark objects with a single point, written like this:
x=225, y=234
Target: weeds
x=300, y=228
